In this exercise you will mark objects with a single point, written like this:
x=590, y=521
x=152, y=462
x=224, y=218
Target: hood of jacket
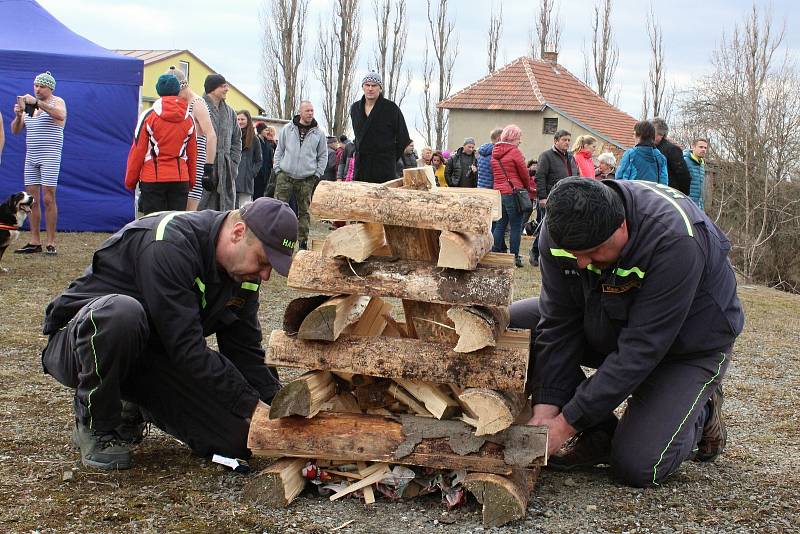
x=485, y=149
x=296, y=122
x=171, y=108
x=501, y=149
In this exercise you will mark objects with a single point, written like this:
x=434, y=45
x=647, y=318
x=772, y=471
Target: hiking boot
x=133, y=428
x=29, y=249
x=518, y=260
x=715, y=436
x=101, y=449
x=589, y=448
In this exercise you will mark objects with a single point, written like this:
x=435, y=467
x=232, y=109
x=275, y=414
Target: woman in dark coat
x=250, y=164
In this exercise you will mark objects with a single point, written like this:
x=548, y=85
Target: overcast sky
x=226, y=35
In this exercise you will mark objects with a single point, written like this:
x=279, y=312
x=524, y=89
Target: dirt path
x=753, y=487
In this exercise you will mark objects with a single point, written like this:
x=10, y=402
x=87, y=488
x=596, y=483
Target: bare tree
x=605, y=54
x=390, y=48
x=749, y=109
x=545, y=36
x=661, y=97
x=283, y=25
x=427, y=104
x=335, y=62
x=495, y=33
x=445, y=51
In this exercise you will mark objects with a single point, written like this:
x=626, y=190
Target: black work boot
x=133, y=427
x=715, y=436
x=518, y=260
x=101, y=449
x=587, y=449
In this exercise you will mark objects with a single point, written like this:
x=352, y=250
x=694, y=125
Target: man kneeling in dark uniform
x=129, y=334
x=637, y=284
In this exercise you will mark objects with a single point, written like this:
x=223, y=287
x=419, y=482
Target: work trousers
x=105, y=353
x=665, y=415
x=302, y=189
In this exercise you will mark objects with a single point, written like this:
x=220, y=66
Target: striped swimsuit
x=44, y=139
x=197, y=190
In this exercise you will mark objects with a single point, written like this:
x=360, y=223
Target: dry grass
x=752, y=488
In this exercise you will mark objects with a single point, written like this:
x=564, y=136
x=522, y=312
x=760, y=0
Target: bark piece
x=494, y=410
x=355, y=241
x=459, y=250
x=412, y=359
x=404, y=279
x=504, y=499
x=304, y=396
x=377, y=203
x=328, y=320
x=278, y=484
x=478, y=326
x=403, y=439
x=438, y=403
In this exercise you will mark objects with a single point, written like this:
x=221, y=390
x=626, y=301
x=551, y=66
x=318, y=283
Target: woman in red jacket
x=510, y=172
x=583, y=150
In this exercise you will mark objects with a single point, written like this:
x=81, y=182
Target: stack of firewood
x=442, y=388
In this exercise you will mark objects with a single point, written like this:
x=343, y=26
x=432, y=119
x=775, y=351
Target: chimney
x=550, y=57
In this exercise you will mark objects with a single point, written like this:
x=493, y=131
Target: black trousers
x=163, y=196
x=105, y=355
x=664, y=419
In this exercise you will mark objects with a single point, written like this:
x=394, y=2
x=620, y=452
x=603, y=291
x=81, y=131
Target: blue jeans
x=513, y=217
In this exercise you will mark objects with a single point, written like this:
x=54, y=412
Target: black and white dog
x=13, y=213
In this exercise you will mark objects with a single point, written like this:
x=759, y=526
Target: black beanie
x=583, y=213
x=213, y=81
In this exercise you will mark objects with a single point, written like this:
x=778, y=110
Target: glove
x=210, y=178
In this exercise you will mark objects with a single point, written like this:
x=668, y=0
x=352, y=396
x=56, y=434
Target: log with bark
x=376, y=203
x=304, y=396
x=504, y=498
x=458, y=250
x=405, y=279
x=412, y=359
x=278, y=484
x=403, y=439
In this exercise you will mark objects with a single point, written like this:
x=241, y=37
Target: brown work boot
x=715, y=436
x=589, y=448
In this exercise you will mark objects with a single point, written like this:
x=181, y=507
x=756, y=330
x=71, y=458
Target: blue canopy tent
x=101, y=90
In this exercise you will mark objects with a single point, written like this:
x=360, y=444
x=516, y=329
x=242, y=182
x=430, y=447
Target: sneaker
x=715, y=436
x=29, y=249
x=589, y=448
x=101, y=449
x=133, y=428
x=50, y=250
x=518, y=260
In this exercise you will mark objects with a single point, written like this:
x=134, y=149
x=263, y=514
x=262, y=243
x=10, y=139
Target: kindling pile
x=441, y=389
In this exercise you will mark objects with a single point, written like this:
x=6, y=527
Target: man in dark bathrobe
x=381, y=134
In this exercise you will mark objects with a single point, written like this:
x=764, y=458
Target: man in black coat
x=381, y=135
x=678, y=172
x=461, y=169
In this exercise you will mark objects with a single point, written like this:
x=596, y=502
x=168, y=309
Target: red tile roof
x=150, y=56
x=528, y=84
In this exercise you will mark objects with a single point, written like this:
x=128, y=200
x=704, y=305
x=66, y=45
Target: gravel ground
x=753, y=487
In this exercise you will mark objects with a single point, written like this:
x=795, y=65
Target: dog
x=13, y=213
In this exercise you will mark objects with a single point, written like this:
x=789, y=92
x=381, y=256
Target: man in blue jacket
x=129, y=334
x=637, y=284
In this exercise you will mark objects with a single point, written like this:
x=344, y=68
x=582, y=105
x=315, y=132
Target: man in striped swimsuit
x=44, y=115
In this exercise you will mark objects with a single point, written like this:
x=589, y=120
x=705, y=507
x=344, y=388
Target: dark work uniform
x=133, y=326
x=658, y=326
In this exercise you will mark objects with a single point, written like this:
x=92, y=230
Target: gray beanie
x=469, y=140
x=373, y=77
x=583, y=213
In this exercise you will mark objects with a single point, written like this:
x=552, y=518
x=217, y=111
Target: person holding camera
x=43, y=115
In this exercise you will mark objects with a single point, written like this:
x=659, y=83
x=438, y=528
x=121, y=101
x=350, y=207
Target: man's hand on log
x=558, y=430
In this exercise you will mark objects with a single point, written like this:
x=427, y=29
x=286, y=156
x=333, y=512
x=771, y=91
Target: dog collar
x=8, y=227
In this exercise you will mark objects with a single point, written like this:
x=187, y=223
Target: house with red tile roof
x=540, y=96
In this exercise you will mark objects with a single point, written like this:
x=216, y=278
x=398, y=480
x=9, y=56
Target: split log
x=497, y=259
x=429, y=322
x=504, y=499
x=400, y=439
x=491, y=195
x=495, y=410
x=463, y=251
x=419, y=178
x=304, y=396
x=405, y=398
x=365, y=482
x=405, y=279
x=438, y=403
x=373, y=394
x=412, y=359
x=377, y=203
x=297, y=310
x=278, y=484
x=364, y=471
x=373, y=321
x=355, y=241
x=478, y=326
x=327, y=321
x=343, y=402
